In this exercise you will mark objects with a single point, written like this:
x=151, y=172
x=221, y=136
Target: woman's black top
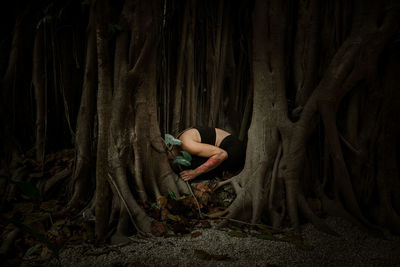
x=235, y=149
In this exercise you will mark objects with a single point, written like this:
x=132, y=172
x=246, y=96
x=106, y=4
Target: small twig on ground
x=197, y=202
x=255, y=224
x=349, y=145
x=191, y=191
x=221, y=183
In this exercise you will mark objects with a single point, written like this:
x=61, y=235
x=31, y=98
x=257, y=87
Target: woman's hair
x=173, y=151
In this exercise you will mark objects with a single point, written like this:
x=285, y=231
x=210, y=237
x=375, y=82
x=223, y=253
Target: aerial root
x=232, y=211
x=8, y=242
x=274, y=176
x=348, y=144
x=124, y=202
x=386, y=215
x=237, y=207
x=225, y=219
x=394, y=221
x=222, y=183
x=310, y=215
x=49, y=183
x=335, y=208
x=236, y=186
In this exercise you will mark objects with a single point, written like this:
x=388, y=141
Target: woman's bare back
x=194, y=135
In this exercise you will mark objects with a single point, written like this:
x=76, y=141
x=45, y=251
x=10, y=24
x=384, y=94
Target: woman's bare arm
x=214, y=154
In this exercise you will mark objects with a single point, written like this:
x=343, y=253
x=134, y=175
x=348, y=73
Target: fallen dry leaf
x=169, y=235
x=23, y=207
x=205, y=224
x=45, y=254
x=155, y=213
x=201, y=254
x=190, y=202
x=164, y=214
x=203, y=196
x=203, y=188
x=51, y=205
x=162, y=201
x=157, y=228
x=196, y=234
x=180, y=229
x=175, y=218
x=203, y=192
x=237, y=234
x=290, y=238
x=216, y=214
x=315, y=205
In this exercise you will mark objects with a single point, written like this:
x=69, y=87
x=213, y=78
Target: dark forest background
x=310, y=86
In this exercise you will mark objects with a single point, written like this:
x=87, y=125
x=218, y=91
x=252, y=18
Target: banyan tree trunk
x=309, y=85
x=271, y=124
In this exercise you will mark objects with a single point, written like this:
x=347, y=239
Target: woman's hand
x=188, y=175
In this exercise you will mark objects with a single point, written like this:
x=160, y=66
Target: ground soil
x=215, y=247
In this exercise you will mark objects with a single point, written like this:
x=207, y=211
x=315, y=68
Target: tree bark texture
x=104, y=98
x=84, y=137
x=38, y=72
x=310, y=86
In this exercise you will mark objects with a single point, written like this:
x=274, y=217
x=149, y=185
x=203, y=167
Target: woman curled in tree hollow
x=215, y=153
